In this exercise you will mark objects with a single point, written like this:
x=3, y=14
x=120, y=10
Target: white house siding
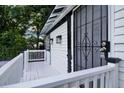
x=117, y=37
x=59, y=51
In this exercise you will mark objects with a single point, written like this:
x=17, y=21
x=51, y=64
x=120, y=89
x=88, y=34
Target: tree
x=38, y=16
x=11, y=44
x=15, y=22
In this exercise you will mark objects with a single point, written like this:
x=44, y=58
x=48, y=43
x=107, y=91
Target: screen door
x=90, y=29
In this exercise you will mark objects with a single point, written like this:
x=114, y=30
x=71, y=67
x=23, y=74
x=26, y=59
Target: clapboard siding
x=119, y=47
x=119, y=54
x=118, y=38
x=119, y=31
x=118, y=8
x=59, y=51
x=119, y=15
x=119, y=23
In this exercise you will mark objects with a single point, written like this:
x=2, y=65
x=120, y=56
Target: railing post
x=116, y=70
x=26, y=55
x=116, y=85
x=45, y=55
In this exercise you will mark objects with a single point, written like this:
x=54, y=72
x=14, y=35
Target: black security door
x=90, y=29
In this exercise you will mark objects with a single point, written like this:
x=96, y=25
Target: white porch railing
x=36, y=55
x=12, y=71
x=33, y=56
x=104, y=76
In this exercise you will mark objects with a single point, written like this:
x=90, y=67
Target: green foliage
x=15, y=20
x=38, y=16
x=33, y=41
x=11, y=44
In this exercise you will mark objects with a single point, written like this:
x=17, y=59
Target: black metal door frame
x=69, y=56
x=86, y=42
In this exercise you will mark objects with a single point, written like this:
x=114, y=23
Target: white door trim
x=111, y=29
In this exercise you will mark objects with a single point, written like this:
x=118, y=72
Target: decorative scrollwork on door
x=88, y=44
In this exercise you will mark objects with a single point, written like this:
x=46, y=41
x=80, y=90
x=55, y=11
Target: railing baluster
x=95, y=82
x=111, y=80
x=107, y=80
x=102, y=81
x=75, y=84
x=82, y=85
x=86, y=83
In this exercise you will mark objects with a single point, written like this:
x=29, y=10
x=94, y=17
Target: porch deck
x=41, y=74
x=37, y=70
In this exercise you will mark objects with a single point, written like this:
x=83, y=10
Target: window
x=59, y=39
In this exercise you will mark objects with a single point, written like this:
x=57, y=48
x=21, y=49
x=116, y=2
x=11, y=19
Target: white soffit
x=57, y=14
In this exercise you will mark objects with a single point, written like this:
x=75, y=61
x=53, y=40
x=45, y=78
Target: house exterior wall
x=116, y=36
x=59, y=51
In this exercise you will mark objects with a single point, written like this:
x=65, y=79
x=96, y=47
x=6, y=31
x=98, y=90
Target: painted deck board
x=38, y=70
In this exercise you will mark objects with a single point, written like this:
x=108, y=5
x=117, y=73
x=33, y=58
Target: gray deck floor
x=38, y=70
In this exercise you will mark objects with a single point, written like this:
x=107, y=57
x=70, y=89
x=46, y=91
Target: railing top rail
x=65, y=78
x=9, y=64
x=35, y=50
